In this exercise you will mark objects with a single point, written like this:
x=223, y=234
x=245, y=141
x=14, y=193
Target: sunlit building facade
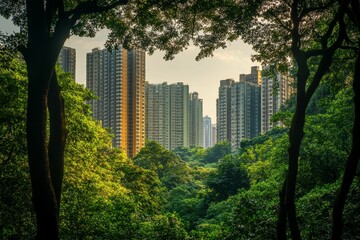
x=118, y=79
x=274, y=94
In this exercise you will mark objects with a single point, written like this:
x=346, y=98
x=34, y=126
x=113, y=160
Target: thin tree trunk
x=281, y=223
x=295, y=137
x=57, y=136
x=352, y=162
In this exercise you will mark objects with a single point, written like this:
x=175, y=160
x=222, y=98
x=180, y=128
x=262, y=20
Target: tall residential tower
x=238, y=108
x=67, y=60
x=168, y=109
x=196, y=120
x=223, y=109
x=274, y=93
x=118, y=78
x=207, y=132
x=158, y=113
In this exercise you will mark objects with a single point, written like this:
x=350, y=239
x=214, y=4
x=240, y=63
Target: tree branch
x=306, y=11
x=3, y=163
x=277, y=19
x=328, y=54
x=90, y=7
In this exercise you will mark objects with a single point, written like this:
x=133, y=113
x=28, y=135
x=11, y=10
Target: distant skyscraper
x=168, y=109
x=158, y=113
x=67, y=60
x=245, y=111
x=118, y=78
x=179, y=115
x=272, y=101
x=223, y=110
x=253, y=77
x=207, y=132
x=196, y=120
x=214, y=134
x=238, y=108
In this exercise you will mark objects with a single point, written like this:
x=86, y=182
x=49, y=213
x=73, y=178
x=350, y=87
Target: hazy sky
x=202, y=76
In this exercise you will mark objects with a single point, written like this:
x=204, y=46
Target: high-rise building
x=118, y=78
x=253, y=77
x=245, y=111
x=179, y=115
x=273, y=98
x=168, y=114
x=67, y=60
x=223, y=110
x=158, y=113
x=238, y=108
x=196, y=120
x=208, y=132
x=214, y=134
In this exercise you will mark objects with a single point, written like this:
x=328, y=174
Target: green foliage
x=170, y=169
x=188, y=201
x=255, y=212
x=16, y=218
x=326, y=143
x=13, y=88
x=229, y=176
x=192, y=154
x=352, y=208
x=167, y=227
x=315, y=212
x=218, y=151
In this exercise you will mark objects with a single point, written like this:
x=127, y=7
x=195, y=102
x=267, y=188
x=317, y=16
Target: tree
x=16, y=218
x=170, y=169
x=229, y=176
x=218, y=151
x=353, y=12
x=310, y=33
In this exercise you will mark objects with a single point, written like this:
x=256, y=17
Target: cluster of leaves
x=198, y=156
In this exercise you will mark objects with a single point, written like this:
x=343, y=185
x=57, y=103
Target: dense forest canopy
x=160, y=195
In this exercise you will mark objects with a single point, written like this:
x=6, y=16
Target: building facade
x=245, y=112
x=238, y=108
x=118, y=79
x=168, y=114
x=207, y=132
x=158, y=113
x=274, y=94
x=67, y=60
x=214, y=134
x=179, y=115
x=196, y=120
x=223, y=109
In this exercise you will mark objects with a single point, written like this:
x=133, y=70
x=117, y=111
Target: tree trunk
x=295, y=137
x=352, y=162
x=43, y=195
x=57, y=136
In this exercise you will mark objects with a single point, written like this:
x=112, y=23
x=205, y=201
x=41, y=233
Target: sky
x=202, y=76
